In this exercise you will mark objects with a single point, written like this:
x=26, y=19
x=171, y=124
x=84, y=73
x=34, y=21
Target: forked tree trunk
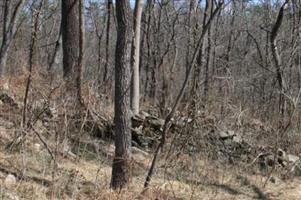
x=121, y=169
x=277, y=58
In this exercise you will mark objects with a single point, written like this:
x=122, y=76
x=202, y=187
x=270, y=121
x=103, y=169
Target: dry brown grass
x=192, y=178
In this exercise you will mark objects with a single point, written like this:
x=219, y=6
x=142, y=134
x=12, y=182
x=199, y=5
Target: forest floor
x=89, y=178
x=45, y=167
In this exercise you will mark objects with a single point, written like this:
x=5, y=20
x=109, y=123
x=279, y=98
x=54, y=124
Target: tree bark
x=208, y=54
x=53, y=56
x=81, y=52
x=10, y=27
x=277, y=58
x=109, y=9
x=197, y=72
x=71, y=51
x=190, y=26
x=121, y=169
x=35, y=29
x=149, y=45
x=135, y=91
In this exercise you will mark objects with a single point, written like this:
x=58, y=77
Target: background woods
x=235, y=60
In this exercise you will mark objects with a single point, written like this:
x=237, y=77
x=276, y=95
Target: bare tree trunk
x=10, y=27
x=35, y=27
x=121, y=169
x=109, y=9
x=224, y=91
x=163, y=65
x=197, y=72
x=208, y=54
x=191, y=14
x=51, y=54
x=149, y=45
x=135, y=91
x=277, y=58
x=216, y=34
x=4, y=46
x=99, y=32
x=157, y=22
x=81, y=28
x=3, y=61
x=71, y=51
x=99, y=57
x=55, y=51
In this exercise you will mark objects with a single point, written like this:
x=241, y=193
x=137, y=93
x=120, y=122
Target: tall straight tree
x=121, y=172
x=9, y=30
x=208, y=52
x=109, y=9
x=135, y=91
x=72, y=37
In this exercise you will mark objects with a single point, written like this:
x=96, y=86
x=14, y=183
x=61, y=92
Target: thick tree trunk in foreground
x=71, y=50
x=121, y=172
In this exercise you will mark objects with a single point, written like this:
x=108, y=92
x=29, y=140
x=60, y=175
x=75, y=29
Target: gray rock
x=37, y=147
x=292, y=158
x=10, y=180
x=231, y=133
x=12, y=196
x=138, y=130
x=226, y=135
x=183, y=121
x=156, y=123
x=237, y=139
x=144, y=114
x=223, y=135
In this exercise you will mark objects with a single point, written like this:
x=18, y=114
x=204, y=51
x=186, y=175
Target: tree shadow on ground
x=255, y=193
